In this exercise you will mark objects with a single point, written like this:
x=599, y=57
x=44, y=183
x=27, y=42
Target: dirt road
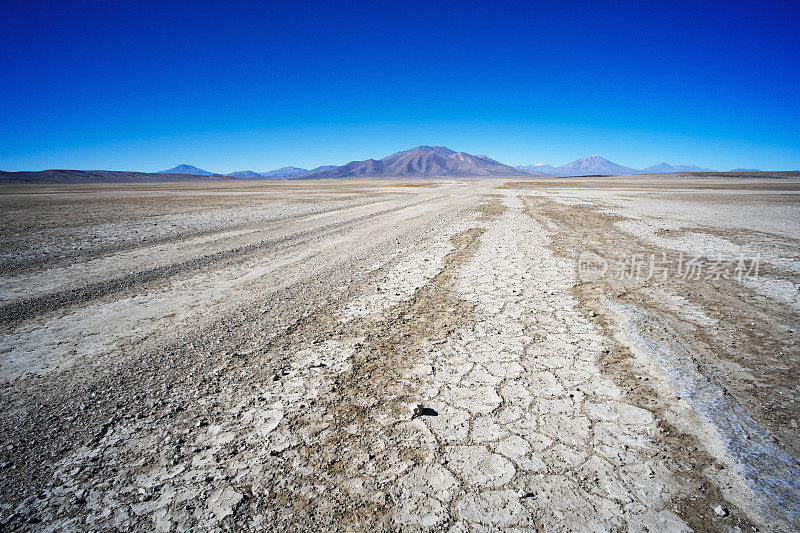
x=406, y=355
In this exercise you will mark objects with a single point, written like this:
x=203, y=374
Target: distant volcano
x=422, y=161
x=594, y=164
x=187, y=170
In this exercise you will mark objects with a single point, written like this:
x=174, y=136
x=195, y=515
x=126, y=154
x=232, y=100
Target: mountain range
x=596, y=165
x=278, y=173
x=435, y=161
x=284, y=172
x=438, y=161
x=430, y=161
x=665, y=168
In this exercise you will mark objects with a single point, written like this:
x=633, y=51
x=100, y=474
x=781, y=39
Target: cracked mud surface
x=396, y=356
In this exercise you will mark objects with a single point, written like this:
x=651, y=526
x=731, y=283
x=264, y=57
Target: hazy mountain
x=536, y=167
x=591, y=165
x=422, y=161
x=323, y=168
x=284, y=172
x=666, y=168
x=745, y=170
x=187, y=169
x=245, y=174
x=101, y=176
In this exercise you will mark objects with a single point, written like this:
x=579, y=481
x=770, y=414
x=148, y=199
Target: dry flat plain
x=402, y=355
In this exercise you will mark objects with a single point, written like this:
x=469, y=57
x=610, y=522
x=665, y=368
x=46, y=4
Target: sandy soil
x=400, y=355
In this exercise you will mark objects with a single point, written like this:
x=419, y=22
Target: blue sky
x=139, y=85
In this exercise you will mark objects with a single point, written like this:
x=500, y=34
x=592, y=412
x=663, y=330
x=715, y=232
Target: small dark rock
x=421, y=410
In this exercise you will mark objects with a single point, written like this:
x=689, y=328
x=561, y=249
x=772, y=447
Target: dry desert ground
x=583, y=354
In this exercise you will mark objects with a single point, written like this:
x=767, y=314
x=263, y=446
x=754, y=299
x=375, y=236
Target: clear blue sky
x=140, y=85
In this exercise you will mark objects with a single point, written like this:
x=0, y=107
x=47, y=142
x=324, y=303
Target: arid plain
x=582, y=354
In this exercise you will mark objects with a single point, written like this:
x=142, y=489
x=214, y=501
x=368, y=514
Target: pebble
x=721, y=511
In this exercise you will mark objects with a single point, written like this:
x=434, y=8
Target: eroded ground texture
x=401, y=355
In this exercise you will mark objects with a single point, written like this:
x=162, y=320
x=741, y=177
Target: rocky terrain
x=401, y=355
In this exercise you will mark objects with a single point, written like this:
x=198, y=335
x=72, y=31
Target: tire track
x=18, y=311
